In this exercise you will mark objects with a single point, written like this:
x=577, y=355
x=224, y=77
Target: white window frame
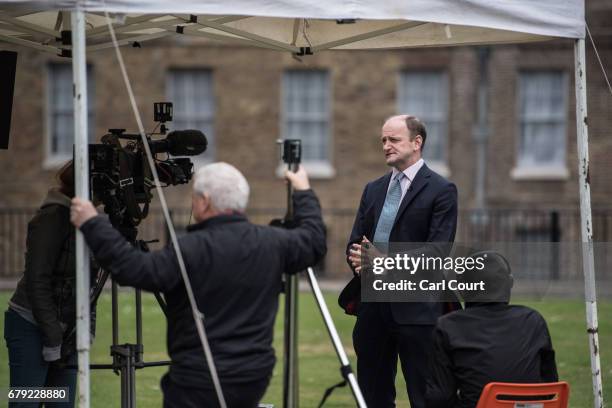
x=440, y=165
x=321, y=169
x=53, y=160
x=553, y=171
x=206, y=116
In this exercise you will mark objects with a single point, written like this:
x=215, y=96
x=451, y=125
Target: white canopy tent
x=301, y=27
x=291, y=25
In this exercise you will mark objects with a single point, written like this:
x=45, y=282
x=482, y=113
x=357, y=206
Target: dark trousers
x=26, y=364
x=243, y=395
x=378, y=342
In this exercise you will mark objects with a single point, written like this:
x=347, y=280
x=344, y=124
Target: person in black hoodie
x=42, y=311
x=488, y=341
x=235, y=269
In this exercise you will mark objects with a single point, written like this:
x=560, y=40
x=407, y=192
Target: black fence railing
x=492, y=225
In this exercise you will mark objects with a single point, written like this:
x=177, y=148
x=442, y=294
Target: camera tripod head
x=291, y=152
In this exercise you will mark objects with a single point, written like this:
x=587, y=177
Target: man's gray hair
x=224, y=185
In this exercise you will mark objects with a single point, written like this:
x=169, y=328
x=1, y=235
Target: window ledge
x=535, y=173
x=55, y=162
x=439, y=167
x=315, y=169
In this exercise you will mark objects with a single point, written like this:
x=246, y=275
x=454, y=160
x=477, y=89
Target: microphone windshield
x=186, y=142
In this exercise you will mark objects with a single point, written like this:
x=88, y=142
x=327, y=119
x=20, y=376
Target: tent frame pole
x=588, y=263
x=81, y=167
x=366, y=36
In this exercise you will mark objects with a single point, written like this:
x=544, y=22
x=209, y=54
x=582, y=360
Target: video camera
x=120, y=175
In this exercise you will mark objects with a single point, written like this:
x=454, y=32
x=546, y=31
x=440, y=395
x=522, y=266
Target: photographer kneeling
x=235, y=269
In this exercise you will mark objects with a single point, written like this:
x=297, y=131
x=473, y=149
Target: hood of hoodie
x=55, y=196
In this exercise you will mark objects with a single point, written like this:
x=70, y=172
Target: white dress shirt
x=410, y=173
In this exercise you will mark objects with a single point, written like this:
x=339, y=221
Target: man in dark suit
x=409, y=204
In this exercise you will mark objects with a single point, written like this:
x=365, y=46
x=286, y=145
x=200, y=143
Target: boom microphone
x=181, y=143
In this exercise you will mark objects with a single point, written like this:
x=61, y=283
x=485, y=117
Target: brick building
x=245, y=99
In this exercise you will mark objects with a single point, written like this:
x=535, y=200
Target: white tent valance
x=296, y=26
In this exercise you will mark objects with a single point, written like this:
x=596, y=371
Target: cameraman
x=235, y=270
x=42, y=311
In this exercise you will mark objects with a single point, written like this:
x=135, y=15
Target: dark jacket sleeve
x=443, y=224
x=156, y=271
x=48, y=232
x=548, y=367
x=358, y=230
x=441, y=390
x=306, y=244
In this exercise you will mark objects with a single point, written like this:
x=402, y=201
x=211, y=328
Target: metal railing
x=492, y=225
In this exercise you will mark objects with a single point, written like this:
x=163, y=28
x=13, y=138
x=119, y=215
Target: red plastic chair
x=510, y=395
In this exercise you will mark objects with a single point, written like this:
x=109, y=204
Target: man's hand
x=362, y=254
x=299, y=179
x=81, y=211
x=355, y=257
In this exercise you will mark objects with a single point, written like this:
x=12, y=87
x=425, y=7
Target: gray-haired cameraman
x=235, y=268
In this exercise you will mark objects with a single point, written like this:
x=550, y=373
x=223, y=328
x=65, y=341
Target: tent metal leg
x=588, y=264
x=82, y=190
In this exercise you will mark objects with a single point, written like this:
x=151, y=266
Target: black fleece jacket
x=487, y=342
x=235, y=270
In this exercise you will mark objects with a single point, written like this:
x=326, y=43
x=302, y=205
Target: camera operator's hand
x=299, y=179
x=81, y=211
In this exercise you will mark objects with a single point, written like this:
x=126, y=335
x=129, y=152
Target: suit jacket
x=427, y=213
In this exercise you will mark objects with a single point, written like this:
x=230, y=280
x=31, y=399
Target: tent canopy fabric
x=296, y=25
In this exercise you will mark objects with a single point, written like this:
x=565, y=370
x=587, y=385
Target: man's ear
x=205, y=202
x=199, y=202
x=419, y=140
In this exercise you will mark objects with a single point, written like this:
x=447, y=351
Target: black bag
x=350, y=297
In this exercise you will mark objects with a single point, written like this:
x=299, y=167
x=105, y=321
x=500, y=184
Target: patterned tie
x=389, y=211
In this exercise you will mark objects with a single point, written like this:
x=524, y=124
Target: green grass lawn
x=319, y=367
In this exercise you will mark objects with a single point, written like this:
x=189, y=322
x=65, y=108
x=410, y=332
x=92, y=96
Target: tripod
x=290, y=351
x=127, y=358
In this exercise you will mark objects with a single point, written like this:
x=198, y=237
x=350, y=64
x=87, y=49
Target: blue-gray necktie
x=389, y=211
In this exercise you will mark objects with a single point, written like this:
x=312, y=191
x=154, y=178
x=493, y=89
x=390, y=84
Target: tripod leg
x=126, y=355
x=290, y=374
x=138, y=294
x=131, y=380
x=161, y=302
x=125, y=399
x=143, y=245
x=115, y=313
x=346, y=370
x=96, y=290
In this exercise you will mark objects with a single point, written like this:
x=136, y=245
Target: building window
x=306, y=116
x=191, y=92
x=542, y=118
x=60, y=113
x=424, y=94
